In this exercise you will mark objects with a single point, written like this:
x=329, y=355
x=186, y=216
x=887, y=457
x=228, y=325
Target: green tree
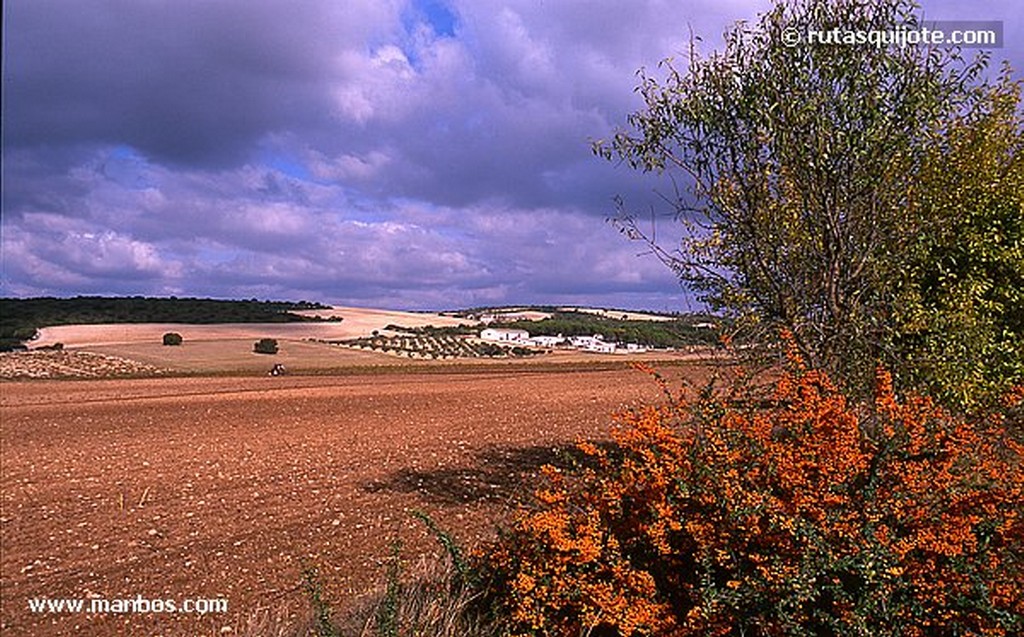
x=265, y=346
x=960, y=322
x=806, y=210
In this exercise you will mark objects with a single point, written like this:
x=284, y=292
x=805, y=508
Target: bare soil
x=227, y=487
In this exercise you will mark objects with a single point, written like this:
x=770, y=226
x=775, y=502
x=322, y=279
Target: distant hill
x=664, y=332
x=20, y=319
x=650, y=329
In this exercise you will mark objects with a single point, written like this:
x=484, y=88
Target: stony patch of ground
x=437, y=347
x=68, y=364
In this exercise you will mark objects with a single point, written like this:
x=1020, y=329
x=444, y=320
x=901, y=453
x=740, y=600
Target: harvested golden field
x=228, y=347
x=354, y=322
x=226, y=487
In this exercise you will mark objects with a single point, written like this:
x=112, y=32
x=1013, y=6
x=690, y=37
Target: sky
x=407, y=154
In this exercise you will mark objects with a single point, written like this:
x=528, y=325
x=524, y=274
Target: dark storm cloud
x=507, y=107
x=414, y=153
x=186, y=82
x=205, y=83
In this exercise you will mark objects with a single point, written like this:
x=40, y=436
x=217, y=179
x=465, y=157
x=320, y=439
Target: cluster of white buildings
x=595, y=343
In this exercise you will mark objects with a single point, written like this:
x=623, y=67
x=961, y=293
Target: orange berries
x=803, y=511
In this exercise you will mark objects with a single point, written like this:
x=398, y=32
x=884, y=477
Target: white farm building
x=595, y=343
x=504, y=335
x=547, y=341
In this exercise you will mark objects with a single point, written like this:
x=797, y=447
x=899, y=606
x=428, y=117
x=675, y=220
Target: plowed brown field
x=187, y=488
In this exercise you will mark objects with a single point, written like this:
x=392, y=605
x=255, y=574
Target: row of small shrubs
x=432, y=345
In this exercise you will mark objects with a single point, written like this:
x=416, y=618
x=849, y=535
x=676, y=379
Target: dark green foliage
x=11, y=345
x=172, y=338
x=489, y=349
x=14, y=333
x=433, y=330
x=323, y=625
x=391, y=327
x=265, y=346
x=961, y=315
x=387, y=611
x=477, y=311
x=22, y=333
x=448, y=543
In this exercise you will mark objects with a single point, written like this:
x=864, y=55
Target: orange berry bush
x=800, y=515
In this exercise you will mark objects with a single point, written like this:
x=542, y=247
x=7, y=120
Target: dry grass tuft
x=426, y=600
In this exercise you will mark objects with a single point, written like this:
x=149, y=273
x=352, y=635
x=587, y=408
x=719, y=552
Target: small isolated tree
x=265, y=346
x=172, y=338
x=807, y=205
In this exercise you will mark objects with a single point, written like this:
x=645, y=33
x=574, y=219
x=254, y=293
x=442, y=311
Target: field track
x=175, y=488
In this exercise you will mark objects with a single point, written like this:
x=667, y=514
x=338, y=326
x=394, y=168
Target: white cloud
x=349, y=167
x=371, y=159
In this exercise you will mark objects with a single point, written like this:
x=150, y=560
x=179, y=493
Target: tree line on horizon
x=21, y=319
x=682, y=331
